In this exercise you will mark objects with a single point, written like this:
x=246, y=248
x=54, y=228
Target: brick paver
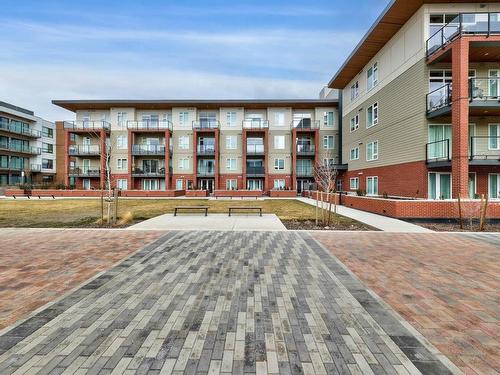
x=37, y=266
x=446, y=285
x=220, y=302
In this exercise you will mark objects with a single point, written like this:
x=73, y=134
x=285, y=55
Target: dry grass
x=86, y=212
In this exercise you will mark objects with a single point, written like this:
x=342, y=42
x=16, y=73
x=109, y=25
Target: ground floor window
x=122, y=184
x=253, y=184
x=439, y=186
x=279, y=184
x=372, y=185
x=178, y=184
x=231, y=184
x=472, y=186
x=150, y=184
x=354, y=183
x=494, y=185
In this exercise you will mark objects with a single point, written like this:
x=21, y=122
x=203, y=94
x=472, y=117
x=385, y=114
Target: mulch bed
x=454, y=227
x=311, y=225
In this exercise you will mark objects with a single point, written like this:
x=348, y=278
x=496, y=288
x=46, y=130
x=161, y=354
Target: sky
x=166, y=49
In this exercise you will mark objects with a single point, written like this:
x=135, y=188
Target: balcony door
x=206, y=144
x=150, y=166
x=207, y=119
x=254, y=184
x=493, y=83
x=206, y=166
x=86, y=165
x=255, y=145
x=302, y=120
x=439, y=142
x=439, y=186
x=304, y=144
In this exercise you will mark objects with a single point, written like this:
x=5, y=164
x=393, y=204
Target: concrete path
x=384, y=223
x=220, y=302
x=267, y=222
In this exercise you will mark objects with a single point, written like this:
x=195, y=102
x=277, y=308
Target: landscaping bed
x=341, y=223
x=455, y=227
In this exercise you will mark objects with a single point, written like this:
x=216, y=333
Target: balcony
x=305, y=124
x=149, y=125
x=255, y=150
x=84, y=150
x=484, y=150
x=89, y=126
x=35, y=168
x=306, y=150
x=20, y=128
x=256, y=172
x=205, y=150
x=255, y=124
x=148, y=172
x=438, y=153
x=21, y=149
x=139, y=150
x=439, y=101
x=84, y=172
x=205, y=172
x=206, y=124
x=305, y=171
x=464, y=24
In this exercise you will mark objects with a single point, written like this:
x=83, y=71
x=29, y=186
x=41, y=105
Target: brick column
x=195, y=162
x=316, y=147
x=217, y=161
x=267, y=187
x=130, y=138
x=244, y=159
x=294, y=159
x=66, y=157
x=460, y=118
x=167, y=160
x=103, y=158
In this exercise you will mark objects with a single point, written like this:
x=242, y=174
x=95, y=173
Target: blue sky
x=131, y=49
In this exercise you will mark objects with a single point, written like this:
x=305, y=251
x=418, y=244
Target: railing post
x=489, y=24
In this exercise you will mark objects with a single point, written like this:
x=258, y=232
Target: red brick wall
x=197, y=193
x=283, y=193
x=286, y=177
x=224, y=177
x=237, y=193
x=97, y=193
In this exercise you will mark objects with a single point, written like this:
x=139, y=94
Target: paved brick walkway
x=38, y=265
x=213, y=302
x=446, y=285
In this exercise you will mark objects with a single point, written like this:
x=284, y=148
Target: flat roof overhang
x=394, y=16
x=74, y=105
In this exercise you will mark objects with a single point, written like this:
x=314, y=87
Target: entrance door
x=86, y=184
x=207, y=184
x=302, y=185
x=254, y=184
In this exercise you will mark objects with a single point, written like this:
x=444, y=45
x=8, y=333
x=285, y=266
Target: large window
x=328, y=142
x=494, y=185
x=372, y=115
x=354, y=153
x=122, y=184
x=231, y=142
x=494, y=137
x=122, y=119
x=372, y=186
x=48, y=148
x=438, y=20
x=231, y=164
x=355, y=90
x=372, y=76
x=122, y=164
x=231, y=184
x=47, y=132
x=354, y=183
x=183, y=118
x=183, y=164
x=439, y=186
x=231, y=118
x=179, y=184
x=279, y=118
x=354, y=123
x=184, y=142
x=122, y=142
x=439, y=142
x=328, y=119
x=372, y=151
x=279, y=164
x=279, y=142
x=47, y=164
x=279, y=184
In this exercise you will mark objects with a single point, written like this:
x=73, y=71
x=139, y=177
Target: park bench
x=37, y=195
x=186, y=208
x=231, y=209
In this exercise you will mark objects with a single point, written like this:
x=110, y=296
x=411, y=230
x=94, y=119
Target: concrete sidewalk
x=223, y=222
x=384, y=223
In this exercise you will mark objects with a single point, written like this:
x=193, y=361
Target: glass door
x=86, y=165
x=439, y=142
x=254, y=184
x=493, y=84
x=439, y=186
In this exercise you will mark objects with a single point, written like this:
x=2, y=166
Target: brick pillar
x=167, y=160
x=66, y=157
x=103, y=158
x=244, y=159
x=294, y=159
x=460, y=118
x=217, y=161
x=195, y=162
x=130, y=181
x=266, y=161
x=316, y=147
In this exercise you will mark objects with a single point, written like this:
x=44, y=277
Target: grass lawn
x=86, y=212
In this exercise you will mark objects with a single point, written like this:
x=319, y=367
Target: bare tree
x=325, y=174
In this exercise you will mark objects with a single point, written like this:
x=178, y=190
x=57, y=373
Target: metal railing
x=438, y=151
x=256, y=171
x=20, y=148
x=206, y=124
x=36, y=167
x=205, y=172
x=148, y=172
x=84, y=150
x=148, y=149
x=19, y=128
x=484, y=148
x=304, y=171
x=150, y=125
x=255, y=124
x=305, y=124
x=84, y=172
x=439, y=98
x=255, y=149
x=463, y=24
x=305, y=149
x=205, y=149
x=484, y=88
x=87, y=125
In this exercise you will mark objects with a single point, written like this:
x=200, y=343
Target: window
x=472, y=186
x=231, y=184
x=183, y=118
x=279, y=142
x=372, y=151
x=231, y=142
x=122, y=164
x=494, y=185
x=328, y=142
x=355, y=153
x=48, y=148
x=122, y=142
x=231, y=164
x=122, y=184
x=439, y=146
x=354, y=183
x=439, y=186
x=372, y=115
x=437, y=21
x=372, y=76
x=231, y=118
x=328, y=119
x=47, y=164
x=354, y=123
x=184, y=142
x=72, y=137
x=279, y=184
x=279, y=164
x=372, y=186
x=47, y=132
x=122, y=120
x=184, y=163
x=355, y=90
x=178, y=184
x=494, y=137
x=279, y=118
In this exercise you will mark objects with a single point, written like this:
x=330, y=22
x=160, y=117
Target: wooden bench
x=231, y=209
x=191, y=208
x=38, y=195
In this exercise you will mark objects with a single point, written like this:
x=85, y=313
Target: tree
x=325, y=174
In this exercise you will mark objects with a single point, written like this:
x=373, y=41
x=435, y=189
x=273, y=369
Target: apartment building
x=27, y=147
x=420, y=102
x=257, y=145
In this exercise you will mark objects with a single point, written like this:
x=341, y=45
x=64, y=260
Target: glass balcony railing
x=438, y=151
x=148, y=172
x=463, y=24
x=87, y=125
x=206, y=124
x=485, y=148
x=305, y=123
x=148, y=150
x=84, y=172
x=84, y=150
x=256, y=171
x=305, y=149
x=150, y=125
x=20, y=148
x=439, y=98
x=36, y=167
x=205, y=149
x=255, y=124
x=205, y=172
x=255, y=149
x=305, y=171
x=19, y=128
